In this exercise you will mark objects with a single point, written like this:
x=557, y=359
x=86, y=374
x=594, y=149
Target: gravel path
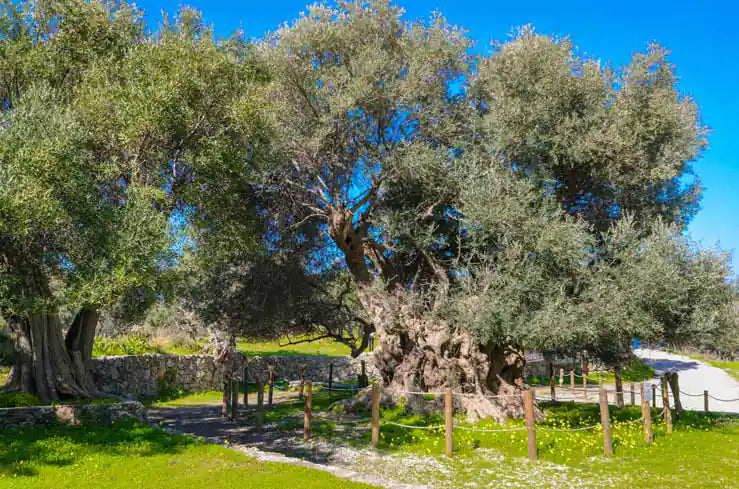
x=694, y=378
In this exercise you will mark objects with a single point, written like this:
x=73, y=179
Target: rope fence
x=647, y=393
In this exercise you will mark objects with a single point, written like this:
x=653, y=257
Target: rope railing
x=569, y=430
x=341, y=389
x=413, y=427
x=482, y=430
x=723, y=400
x=584, y=393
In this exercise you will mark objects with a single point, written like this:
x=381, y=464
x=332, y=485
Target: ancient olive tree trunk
x=430, y=357
x=416, y=353
x=48, y=365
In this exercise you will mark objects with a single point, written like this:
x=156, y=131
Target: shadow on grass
x=24, y=451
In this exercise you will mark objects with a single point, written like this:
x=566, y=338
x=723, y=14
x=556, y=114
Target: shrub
x=15, y=399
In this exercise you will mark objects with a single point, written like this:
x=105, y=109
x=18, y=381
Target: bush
x=136, y=344
x=637, y=371
x=16, y=399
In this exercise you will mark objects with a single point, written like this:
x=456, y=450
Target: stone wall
x=152, y=374
x=70, y=414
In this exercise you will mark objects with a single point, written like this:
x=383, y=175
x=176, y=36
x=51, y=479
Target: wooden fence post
x=561, y=376
x=654, y=396
x=528, y=408
x=619, y=386
x=705, y=401
x=646, y=415
x=226, y=398
x=330, y=377
x=375, y=414
x=666, y=404
x=302, y=381
x=260, y=405
x=308, y=407
x=633, y=395
x=271, y=384
x=449, y=421
x=234, y=400
x=572, y=383
x=552, y=392
x=363, y=380
x=605, y=421
x=674, y=385
x=246, y=386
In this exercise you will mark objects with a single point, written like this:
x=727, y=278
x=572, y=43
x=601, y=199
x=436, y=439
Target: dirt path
x=278, y=442
x=694, y=378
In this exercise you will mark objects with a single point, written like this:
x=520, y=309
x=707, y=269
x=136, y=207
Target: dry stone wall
x=152, y=374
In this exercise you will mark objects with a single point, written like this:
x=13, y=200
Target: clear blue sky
x=703, y=38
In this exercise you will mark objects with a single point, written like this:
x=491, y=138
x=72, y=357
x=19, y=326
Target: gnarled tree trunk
x=45, y=363
x=417, y=354
x=422, y=357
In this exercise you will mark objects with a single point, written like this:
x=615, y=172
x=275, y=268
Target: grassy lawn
x=136, y=345
x=732, y=368
x=635, y=371
x=132, y=455
x=702, y=445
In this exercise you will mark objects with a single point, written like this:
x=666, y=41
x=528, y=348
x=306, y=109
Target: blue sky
x=703, y=38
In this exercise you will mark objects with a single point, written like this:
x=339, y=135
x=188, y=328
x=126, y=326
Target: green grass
x=634, y=371
x=702, y=445
x=324, y=347
x=732, y=368
x=139, y=344
x=17, y=399
x=129, y=454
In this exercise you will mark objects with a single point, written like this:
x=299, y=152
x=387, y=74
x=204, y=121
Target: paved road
x=695, y=377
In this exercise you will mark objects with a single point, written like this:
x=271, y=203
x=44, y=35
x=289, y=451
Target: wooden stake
x=654, y=395
x=330, y=377
x=674, y=385
x=572, y=383
x=449, y=420
x=375, y=414
x=302, y=381
x=646, y=415
x=528, y=407
x=271, y=384
x=705, y=401
x=260, y=406
x=561, y=376
x=226, y=399
x=633, y=395
x=552, y=392
x=619, y=386
x=363, y=381
x=308, y=406
x=605, y=422
x=666, y=404
x=246, y=386
x=234, y=400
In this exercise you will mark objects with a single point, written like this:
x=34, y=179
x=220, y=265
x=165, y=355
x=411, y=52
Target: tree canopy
x=352, y=172
x=102, y=122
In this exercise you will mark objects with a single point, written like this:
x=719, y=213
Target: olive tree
x=101, y=122
x=472, y=200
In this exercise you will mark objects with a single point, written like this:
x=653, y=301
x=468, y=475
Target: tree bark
x=48, y=366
